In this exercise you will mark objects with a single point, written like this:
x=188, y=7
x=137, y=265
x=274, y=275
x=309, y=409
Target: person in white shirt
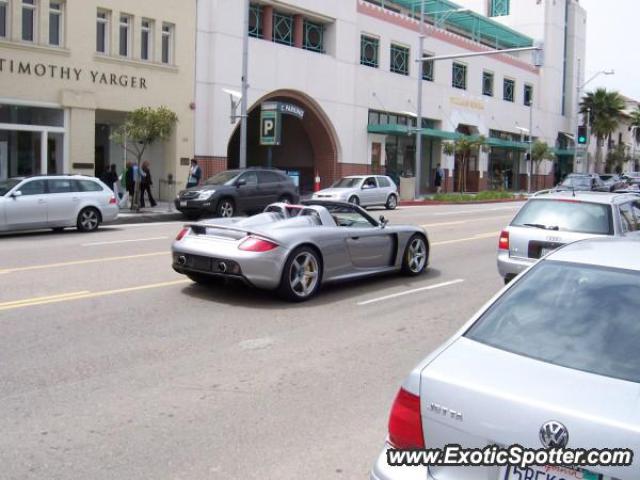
x=195, y=174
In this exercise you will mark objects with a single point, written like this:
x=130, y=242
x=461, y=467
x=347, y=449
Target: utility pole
x=529, y=171
x=245, y=87
x=418, y=169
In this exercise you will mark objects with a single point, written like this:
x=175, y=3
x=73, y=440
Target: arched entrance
x=308, y=144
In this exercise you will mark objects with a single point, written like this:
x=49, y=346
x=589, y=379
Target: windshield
x=566, y=215
x=347, y=183
x=223, y=177
x=7, y=185
x=577, y=182
x=575, y=316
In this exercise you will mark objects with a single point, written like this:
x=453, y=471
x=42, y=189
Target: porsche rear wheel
x=301, y=275
x=416, y=255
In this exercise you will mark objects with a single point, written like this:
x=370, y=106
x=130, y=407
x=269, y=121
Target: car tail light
x=256, y=244
x=112, y=200
x=182, y=233
x=503, y=243
x=405, y=423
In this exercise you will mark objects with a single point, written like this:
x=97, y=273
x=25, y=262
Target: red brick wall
x=211, y=165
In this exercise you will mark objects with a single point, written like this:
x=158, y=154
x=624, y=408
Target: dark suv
x=236, y=191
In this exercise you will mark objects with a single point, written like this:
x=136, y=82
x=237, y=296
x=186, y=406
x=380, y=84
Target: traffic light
x=582, y=135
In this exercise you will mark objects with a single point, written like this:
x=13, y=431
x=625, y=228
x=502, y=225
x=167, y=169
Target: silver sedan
x=363, y=190
x=551, y=361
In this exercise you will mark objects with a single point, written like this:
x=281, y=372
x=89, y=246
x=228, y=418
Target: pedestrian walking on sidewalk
x=145, y=184
x=195, y=174
x=439, y=178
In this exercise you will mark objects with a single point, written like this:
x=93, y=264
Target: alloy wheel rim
x=392, y=201
x=417, y=255
x=89, y=220
x=304, y=274
x=226, y=210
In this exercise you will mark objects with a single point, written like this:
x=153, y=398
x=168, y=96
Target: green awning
x=474, y=25
x=508, y=144
x=563, y=152
x=395, y=129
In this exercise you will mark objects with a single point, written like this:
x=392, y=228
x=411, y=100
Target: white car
x=55, y=202
x=363, y=190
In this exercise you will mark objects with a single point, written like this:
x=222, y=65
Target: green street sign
x=270, y=127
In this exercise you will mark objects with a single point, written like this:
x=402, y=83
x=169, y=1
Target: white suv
x=55, y=202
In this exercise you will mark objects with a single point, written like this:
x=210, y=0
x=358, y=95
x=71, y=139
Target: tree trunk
x=598, y=153
x=136, y=188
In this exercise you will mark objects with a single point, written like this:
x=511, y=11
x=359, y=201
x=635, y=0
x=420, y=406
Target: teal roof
x=564, y=152
x=474, y=25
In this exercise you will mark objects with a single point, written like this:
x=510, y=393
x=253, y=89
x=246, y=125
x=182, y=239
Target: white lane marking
x=479, y=236
x=477, y=210
x=256, y=343
x=122, y=226
x=462, y=222
x=409, y=292
x=115, y=242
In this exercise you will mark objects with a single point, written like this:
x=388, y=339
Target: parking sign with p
x=269, y=127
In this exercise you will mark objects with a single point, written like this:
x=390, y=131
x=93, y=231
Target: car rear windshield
x=566, y=215
x=7, y=185
x=347, y=183
x=576, y=316
x=222, y=177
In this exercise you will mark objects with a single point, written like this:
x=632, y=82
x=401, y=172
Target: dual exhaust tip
x=222, y=266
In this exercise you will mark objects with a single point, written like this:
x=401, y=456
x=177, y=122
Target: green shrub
x=482, y=196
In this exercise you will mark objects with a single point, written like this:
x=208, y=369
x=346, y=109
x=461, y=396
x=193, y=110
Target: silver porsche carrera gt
x=295, y=248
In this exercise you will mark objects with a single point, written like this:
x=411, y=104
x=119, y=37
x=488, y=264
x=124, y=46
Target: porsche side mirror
x=16, y=194
x=383, y=221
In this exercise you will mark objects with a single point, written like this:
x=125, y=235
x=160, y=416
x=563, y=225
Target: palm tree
x=540, y=151
x=464, y=147
x=605, y=111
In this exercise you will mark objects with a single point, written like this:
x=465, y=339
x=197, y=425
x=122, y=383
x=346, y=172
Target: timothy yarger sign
x=71, y=74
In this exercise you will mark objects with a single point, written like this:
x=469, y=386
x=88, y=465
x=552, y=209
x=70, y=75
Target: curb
x=412, y=203
x=131, y=218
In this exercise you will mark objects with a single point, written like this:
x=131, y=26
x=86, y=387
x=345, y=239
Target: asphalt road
x=112, y=366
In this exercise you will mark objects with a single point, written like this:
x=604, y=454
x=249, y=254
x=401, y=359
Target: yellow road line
x=68, y=297
x=82, y=262
x=468, y=239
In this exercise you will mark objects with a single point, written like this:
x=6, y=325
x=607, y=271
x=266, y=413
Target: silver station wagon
x=55, y=202
x=550, y=220
x=363, y=190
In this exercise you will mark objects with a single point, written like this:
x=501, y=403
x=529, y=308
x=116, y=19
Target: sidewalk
x=162, y=212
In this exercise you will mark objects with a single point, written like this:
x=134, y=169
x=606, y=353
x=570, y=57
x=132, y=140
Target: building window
x=102, y=32
x=3, y=19
x=255, y=21
x=369, y=51
x=283, y=29
x=427, y=70
x=459, y=76
x=499, y=8
x=508, y=89
x=399, y=59
x=55, y=24
x=487, y=84
x=125, y=35
x=167, y=43
x=528, y=95
x=313, y=36
x=28, y=20
x=146, y=40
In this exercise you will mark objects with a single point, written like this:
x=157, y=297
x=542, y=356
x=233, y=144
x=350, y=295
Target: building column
x=298, y=31
x=82, y=138
x=44, y=157
x=267, y=23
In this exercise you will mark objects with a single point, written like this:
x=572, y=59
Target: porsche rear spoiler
x=201, y=229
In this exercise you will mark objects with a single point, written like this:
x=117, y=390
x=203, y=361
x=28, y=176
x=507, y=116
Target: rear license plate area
x=547, y=473
x=199, y=263
x=540, y=249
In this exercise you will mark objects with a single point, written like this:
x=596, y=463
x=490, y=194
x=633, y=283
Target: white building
x=350, y=64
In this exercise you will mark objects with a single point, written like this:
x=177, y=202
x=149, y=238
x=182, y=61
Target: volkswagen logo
x=554, y=435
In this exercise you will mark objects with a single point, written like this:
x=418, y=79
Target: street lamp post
x=579, y=88
x=245, y=86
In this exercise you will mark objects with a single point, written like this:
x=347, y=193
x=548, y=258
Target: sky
x=611, y=28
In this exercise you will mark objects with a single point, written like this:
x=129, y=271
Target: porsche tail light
x=256, y=244
x=182, y=233
x=503, y=243
x=405, y=423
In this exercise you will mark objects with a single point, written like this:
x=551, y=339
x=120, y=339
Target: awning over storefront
x=508, y=144
x=394, y=129
x=563, y=152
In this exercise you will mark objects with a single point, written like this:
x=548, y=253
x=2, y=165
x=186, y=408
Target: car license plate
x=183, y=203
x=547, y=473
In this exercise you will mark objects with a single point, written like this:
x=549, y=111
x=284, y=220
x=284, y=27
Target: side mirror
x=16, y=194
x=383, y=221
x=241, y=182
